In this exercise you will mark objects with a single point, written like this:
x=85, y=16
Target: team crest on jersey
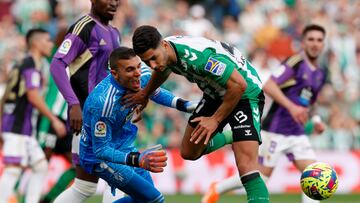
x=65, y=46
x=215, y=67
x=100, y=129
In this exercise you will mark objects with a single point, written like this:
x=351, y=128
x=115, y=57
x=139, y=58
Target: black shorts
x=244, y=120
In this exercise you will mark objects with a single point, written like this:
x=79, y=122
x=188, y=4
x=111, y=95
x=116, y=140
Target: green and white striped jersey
x=209, y=64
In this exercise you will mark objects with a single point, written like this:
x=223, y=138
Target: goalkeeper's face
x=313, y=44
x=128, y=73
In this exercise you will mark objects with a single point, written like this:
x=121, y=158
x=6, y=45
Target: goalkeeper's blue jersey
x=108, y=133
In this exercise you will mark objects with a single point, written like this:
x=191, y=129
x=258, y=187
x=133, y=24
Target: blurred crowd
x=265, y=31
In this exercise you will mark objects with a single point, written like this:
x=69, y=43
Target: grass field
x=282, y=198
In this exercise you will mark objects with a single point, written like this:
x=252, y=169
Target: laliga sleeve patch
x=35, y=79
x=279, y=71
x=215, y=67
x=100, y=129
x=65, y=46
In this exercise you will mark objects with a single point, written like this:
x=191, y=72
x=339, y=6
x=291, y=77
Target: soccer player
x=22, y=96
x=232, y=94
x=85, y=51
x=107, y=139
x=294, y=87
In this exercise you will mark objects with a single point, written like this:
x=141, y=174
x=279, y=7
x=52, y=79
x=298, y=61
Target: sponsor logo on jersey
x=215, y=67
x=65, y=46
x=100, y=129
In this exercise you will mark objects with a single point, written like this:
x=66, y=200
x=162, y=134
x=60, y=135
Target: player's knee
x=188, y=155
x=86, y=188
x=40, y=167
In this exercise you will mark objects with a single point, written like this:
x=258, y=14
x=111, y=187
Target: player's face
x=128, y=73
x=105, y=9
x=45, y=45
x=156, y=59
x=313, y=44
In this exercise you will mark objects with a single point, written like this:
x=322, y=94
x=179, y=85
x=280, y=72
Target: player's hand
x=153, y=159
x=191, y=106
x=205, y=128
x=319, y=127
x=59, y=127
x=75, y=118
x=1, y=141
x=299, y=114
x=137, y=98
x=137, y=115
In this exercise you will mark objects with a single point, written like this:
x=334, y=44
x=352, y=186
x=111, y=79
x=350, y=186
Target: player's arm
x=166, y=98
x=142, y=97
x=32, y=85
x=153, y=160
x=69, y=50
x=235, y=86
x=272, y=88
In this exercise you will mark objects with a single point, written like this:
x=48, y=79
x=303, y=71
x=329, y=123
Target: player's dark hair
x=145, y=37
x=120, y=53
x=31, y=33
x=312, y=27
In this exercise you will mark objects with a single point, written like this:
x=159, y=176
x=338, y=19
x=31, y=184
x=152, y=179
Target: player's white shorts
x=21, y=149
x=75, y=149
x=297, y=147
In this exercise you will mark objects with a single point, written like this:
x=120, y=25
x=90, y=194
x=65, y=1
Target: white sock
x=36, y=182
x=77, y=192
x=108, y=197
x=7, y=182
x=306, y=199
x=232, y=183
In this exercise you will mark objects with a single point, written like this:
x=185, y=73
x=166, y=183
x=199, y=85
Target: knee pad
x=86, y=188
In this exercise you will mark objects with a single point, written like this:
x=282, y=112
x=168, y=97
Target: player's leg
x=303, y=155
x=60, y=146
x=128, y=180
x=192, y=151
x=14, y=157
x=245, y=124
x=85, y=184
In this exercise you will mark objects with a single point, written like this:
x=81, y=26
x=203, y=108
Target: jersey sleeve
x=283, y=74
x=72, y=47
x=101, y=128
x=32, y=78
x=219, y=69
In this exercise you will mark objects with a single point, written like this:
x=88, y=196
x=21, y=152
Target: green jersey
x=209, y=64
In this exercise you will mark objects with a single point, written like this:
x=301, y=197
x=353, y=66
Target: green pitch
x=281, y=198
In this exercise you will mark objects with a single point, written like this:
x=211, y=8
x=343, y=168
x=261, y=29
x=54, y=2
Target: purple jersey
x=301, y=82
x=17, y=110
x=85, y=50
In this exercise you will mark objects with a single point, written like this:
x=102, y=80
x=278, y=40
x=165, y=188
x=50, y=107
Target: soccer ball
x=319, y=181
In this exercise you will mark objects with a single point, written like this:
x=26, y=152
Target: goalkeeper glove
x=152, y=159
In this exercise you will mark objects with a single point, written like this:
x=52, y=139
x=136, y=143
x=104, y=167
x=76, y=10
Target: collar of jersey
x=178, y=61
x=116, y=84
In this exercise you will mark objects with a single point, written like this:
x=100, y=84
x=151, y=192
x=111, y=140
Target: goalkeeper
x=108, y=133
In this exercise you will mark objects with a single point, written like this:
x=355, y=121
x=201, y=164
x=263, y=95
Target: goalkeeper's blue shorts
x=135, y=182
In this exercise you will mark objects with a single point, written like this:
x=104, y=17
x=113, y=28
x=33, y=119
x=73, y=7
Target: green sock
x=60, y=185
x=218, y=141
x=255, y=188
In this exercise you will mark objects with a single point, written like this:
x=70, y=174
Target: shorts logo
x=215, y=67
x=240, y=116
x=100, y=129
x=65, y=46
x=248, y=132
